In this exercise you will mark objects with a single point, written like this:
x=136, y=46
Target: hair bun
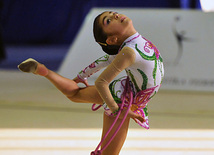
x=110, y=49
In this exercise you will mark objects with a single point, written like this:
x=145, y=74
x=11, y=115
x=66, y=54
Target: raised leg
x=70, y=89
x=67, y=86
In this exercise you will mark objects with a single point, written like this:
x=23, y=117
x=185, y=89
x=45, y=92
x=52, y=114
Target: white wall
x=187, y=67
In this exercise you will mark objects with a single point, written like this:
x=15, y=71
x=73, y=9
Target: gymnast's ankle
x=41, y=70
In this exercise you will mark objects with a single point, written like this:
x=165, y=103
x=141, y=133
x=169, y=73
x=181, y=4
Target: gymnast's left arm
x=124, y=59
x=94, y=67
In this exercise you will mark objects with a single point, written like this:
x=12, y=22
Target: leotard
x=145, y=74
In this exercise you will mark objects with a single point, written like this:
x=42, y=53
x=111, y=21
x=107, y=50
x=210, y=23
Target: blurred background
x=54, y=24
x=35, y=118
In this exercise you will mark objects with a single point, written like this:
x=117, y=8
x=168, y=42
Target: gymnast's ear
x=111, y=40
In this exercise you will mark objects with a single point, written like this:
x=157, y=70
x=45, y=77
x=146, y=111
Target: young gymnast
x=126, y=50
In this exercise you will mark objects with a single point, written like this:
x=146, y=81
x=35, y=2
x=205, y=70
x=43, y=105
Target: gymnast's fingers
x=139, y=117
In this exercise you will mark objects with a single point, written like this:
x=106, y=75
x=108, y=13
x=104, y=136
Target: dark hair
x=100, y=37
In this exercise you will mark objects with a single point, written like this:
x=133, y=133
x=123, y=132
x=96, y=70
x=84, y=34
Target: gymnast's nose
x=116, y=16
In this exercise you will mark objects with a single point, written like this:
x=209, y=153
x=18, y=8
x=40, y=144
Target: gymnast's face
x=115, y=24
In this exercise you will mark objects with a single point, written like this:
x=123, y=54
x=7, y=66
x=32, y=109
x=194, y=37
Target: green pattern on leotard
x=160, y=58
x=133, y=80
x=144, y=56
x=103, y=58
x=123, y=45
x=150, y=58
x=146, y=110
x=160, y=61
x=145, y=79
x=112, y=90
x=154, y=72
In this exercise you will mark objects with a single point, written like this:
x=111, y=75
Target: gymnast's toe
x=28, y=65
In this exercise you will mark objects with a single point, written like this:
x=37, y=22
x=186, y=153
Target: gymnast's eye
x=108, y=21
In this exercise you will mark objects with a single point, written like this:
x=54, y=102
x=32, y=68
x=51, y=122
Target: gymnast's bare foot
x=32, y=66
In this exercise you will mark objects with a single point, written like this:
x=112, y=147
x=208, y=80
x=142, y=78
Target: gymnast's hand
x=132, y=115
x=78, y=80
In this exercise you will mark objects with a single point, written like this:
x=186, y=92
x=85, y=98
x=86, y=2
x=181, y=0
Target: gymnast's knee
x=74, y=98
